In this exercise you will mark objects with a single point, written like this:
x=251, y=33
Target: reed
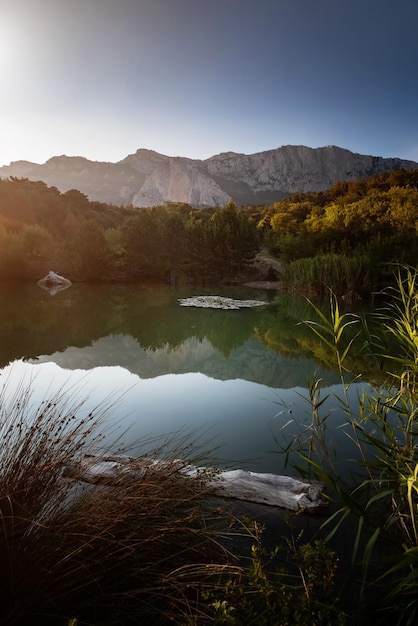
x=345, y=275
x=378, y=506
x=134, y=551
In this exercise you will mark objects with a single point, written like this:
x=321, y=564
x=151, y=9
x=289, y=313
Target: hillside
x=368, y=223
x=146, y=178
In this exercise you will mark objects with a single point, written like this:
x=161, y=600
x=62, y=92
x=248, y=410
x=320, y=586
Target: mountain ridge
x=148, y=178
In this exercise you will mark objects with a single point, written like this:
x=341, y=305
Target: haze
x=102, y=78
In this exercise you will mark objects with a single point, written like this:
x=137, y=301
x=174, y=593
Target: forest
x=43, y=229
x=346, y=237
x=349, y=236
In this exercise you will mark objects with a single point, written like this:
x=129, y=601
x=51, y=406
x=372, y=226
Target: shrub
x=292, y=586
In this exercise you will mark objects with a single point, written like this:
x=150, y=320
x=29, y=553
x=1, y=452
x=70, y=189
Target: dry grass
x=135, y=551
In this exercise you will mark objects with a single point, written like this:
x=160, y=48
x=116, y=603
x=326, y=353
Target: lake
x=231, y=380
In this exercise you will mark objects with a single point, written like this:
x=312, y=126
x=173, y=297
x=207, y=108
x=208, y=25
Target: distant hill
x=147, y=178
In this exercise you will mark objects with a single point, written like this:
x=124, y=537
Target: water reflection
x=53, y=283
x=250, y=361
x=146, y=331
x=226, y=373
x=238, y=421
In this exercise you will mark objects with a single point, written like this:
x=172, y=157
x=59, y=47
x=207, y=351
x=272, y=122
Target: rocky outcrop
x=147, y=178
x=298, y=168
x=179, y=180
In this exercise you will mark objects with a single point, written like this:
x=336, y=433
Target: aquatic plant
x=378, y=506
x=133, y=551
x=293, y=584
x=349, y=276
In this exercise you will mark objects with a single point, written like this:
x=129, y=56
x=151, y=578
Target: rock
x=147, y=178
x=179, y=180
x=53, y=283
x=219, y=302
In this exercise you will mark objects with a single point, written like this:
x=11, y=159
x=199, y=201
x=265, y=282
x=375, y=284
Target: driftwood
x=270, y=489
x=280, y=491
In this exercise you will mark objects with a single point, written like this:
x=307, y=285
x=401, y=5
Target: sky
x=104, y=78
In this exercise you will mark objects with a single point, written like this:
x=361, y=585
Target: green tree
x=155, y=241
x=12, y=266
x=35, y=241
x=91, y=252
x=235, y=237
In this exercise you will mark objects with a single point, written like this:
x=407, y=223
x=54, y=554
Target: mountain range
x=148, y=178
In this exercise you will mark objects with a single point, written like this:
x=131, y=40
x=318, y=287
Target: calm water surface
x=232, y=378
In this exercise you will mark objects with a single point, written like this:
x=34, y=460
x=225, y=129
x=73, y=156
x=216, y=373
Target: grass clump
x=345, y=275
x=133, y=551
x=374, y=507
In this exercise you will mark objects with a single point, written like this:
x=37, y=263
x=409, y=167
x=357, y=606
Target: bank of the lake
x=235, y=383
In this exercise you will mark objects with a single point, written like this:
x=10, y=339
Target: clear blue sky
x=102, y=78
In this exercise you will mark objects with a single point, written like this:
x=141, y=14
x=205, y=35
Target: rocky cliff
x=147, y=178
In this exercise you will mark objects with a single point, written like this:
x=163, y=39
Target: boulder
x=53, y=283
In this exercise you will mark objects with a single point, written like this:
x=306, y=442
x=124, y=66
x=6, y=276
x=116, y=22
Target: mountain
x=147, y=178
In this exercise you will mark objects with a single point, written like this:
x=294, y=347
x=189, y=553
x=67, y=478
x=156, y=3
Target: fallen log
x=270, y=489
x=274, y=490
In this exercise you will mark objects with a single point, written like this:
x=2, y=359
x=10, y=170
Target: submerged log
x=270, y=489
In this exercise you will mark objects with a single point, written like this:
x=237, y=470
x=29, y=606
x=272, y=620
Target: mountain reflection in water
x=236, y=420
x=232, y=377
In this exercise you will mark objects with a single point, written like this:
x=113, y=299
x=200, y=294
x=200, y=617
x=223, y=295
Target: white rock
x=53, y=283
x=219, y=302
x=179, y=180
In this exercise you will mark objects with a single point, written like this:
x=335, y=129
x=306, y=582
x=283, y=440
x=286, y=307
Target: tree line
x=345, y=237
x=349, y=236
x=42, y=228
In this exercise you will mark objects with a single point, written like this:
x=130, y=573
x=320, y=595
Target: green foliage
x=92, y=241
x=35, y=241
x=368, y=223
x=379, y=502
x=155, y=242
x=92, y=251
x=292, y=586
x=12, y=265
x=375, y=219
x=348, y=276
x=233, y=237
x=46, y=229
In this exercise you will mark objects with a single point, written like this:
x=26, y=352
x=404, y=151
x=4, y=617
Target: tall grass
x=345, y=275
x=379, y=508
x=133, y=551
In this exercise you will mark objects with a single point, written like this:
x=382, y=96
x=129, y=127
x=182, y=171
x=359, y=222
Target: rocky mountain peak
x=147, y=178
